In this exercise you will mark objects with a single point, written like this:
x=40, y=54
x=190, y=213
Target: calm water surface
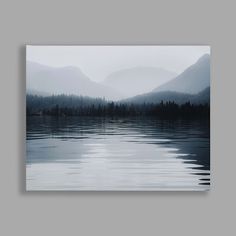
x=117, y=154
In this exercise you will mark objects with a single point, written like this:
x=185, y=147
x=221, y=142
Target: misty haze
x=118, y=118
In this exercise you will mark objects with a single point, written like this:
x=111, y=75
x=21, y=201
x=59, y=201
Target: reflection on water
x=117, y=154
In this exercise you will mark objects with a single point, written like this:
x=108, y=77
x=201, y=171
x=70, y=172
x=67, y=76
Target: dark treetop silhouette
x=62, y=105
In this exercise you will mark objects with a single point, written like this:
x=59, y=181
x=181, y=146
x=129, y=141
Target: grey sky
x=97, y=62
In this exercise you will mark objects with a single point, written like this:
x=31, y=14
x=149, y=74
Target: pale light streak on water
x=116, y=154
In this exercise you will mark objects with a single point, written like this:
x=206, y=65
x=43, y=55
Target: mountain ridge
x=65, y=80
x=171, y=96
x=192, y=80
x=137, y=80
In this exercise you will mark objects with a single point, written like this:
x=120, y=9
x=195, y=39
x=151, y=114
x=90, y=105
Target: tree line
x=63, y=105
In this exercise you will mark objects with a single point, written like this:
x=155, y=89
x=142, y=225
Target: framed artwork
x=118, y=118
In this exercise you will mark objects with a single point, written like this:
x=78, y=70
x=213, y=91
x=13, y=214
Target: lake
x=74, y=153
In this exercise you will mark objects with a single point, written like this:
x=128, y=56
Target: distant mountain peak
x=137, y=80
x=41, y=79
x=193, y=80
x=204, y=57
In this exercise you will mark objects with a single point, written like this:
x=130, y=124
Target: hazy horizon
x=98, y=62
x=114, y=72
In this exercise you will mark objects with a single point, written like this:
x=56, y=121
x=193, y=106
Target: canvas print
x=117, y=118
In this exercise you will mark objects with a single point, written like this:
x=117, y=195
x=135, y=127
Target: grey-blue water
x=117, y=154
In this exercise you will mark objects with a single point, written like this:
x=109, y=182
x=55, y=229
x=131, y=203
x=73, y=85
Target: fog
x=98, y=62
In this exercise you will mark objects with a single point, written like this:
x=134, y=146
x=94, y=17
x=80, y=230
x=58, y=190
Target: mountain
x=41, y=79
x=202, y=97
x=138, y=80
x=166, y=96
x=193, y=80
